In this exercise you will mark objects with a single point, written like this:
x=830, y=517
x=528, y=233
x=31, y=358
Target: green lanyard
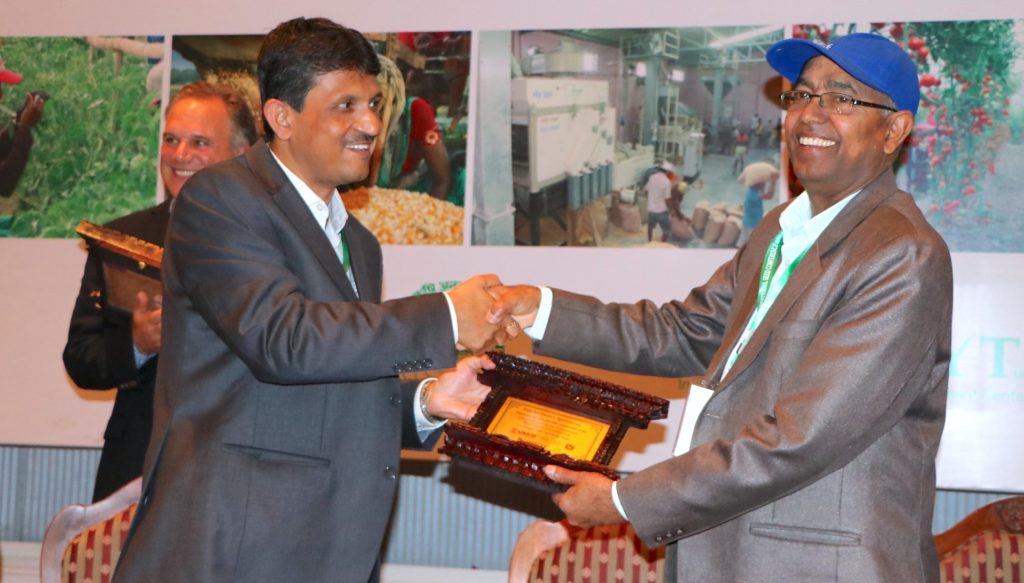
x=343, y=250
x=772, y=259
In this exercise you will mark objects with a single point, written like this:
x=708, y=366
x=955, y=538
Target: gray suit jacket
x=814, y=460
x=278, y=414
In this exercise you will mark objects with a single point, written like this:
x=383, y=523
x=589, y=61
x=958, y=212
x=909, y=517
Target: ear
x=279, y=115
x=898, y=127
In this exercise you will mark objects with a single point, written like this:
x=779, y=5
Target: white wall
x=38, y=405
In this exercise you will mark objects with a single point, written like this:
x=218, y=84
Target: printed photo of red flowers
x=964, y=162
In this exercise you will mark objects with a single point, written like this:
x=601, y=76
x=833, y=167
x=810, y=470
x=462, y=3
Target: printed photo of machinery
x=626, y=137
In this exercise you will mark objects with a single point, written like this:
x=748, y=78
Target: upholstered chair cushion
x=92, y=555
x=612, y=553
x=992, y=556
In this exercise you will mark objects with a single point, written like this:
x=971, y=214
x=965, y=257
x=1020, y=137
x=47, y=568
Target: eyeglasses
x=840, y=103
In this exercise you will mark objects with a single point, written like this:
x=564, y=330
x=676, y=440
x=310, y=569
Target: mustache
x=360, y=138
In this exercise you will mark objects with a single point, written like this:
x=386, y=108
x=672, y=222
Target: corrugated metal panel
x=36, y=482
x=451, y=516
x=447, y=516
x=951, y=506
x=55, y=477
x=9, y=474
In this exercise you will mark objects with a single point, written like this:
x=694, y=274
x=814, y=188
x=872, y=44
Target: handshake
x=489, y=312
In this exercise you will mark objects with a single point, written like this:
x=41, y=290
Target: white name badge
x=695, y=403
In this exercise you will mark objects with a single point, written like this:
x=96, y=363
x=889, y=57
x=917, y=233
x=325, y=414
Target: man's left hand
x=458, y=393
x=588, y=502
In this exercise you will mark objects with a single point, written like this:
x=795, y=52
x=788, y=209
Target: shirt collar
x=800, y=228
x=331, y=216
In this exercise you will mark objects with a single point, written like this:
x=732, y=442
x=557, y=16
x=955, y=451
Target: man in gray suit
x=824, y=347
x=279, y=414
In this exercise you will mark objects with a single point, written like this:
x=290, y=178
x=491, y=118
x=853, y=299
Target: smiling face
x=330, y=142
x=836, y=155
x=197, y=133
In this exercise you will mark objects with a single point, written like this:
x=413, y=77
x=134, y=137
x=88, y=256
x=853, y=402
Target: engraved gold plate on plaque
x=555, y=430
x=538, y=415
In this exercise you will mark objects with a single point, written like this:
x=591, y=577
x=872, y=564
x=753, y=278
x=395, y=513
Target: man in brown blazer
x=825, y=346
x=279, y=414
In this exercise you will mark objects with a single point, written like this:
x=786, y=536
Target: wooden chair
x=83, y=542
x=987, y=545
x=554, y=552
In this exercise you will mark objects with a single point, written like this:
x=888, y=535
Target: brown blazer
x=814, y=460
x=278, y=413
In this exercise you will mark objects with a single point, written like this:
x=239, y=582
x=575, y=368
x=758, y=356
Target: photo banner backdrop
x=647, y=83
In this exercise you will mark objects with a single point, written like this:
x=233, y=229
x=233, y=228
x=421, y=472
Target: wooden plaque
x=130, y=264
x=538, y=414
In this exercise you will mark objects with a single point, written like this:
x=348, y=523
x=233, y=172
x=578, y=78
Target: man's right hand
x=146, y=323
x=472, y=302
x=519, y=302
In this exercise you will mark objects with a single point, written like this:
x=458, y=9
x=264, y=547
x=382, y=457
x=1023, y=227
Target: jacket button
x=389, y=471
x=679, y=532
x=395, y=400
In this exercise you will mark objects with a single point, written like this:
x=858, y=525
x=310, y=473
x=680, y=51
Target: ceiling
x=690, y=47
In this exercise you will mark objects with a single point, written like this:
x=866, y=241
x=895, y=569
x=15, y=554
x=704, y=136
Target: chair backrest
x=987, y=545
x=548, y=552
x=83, y=542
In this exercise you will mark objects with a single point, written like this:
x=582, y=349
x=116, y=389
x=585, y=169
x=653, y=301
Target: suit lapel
x=806, y=272
x=746, y=301
x=156, y=226
x=294, y=208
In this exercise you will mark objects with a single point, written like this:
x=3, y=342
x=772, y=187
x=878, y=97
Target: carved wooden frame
x=619, y=407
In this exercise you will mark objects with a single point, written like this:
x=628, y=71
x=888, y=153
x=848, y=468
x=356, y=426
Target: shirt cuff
x=455, y=325
x=140, y=357
x=424, y=426
x=540, y=323
x=618, y=504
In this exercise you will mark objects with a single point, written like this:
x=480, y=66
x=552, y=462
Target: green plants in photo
x=96, y=146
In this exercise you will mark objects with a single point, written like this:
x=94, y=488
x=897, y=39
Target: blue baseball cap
x=871, y=59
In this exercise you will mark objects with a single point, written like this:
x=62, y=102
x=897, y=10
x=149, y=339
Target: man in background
x=759, y=179
x=659, y=199
x=279, y=413
x=109, y=348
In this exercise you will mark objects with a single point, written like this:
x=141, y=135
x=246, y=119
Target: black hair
x=296, y=52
